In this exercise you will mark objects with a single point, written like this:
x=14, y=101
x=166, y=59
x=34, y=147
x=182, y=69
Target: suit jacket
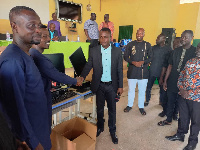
x=95, y=62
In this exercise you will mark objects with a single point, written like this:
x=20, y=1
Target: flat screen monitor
x=78, y=61
x=58, y=61
x=69, y=11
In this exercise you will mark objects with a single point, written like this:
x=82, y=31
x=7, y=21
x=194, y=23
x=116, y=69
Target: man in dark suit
x=53, y=33
x=107, y=80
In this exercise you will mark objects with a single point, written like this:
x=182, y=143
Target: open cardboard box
x=74, y=134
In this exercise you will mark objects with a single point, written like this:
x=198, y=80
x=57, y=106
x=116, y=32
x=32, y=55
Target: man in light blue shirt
x=107, y=80
x=106, y=62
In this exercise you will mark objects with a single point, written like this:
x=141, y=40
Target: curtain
x=125, y=32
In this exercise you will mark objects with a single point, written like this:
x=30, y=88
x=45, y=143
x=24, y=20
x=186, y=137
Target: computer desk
x=73, y=102
x=85, y=96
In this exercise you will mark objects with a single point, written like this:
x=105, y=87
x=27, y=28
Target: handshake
x=79, y=81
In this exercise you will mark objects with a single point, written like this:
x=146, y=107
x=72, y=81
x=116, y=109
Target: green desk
x=5, y=43
x=67, y=48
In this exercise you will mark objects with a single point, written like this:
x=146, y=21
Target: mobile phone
x=117, y=97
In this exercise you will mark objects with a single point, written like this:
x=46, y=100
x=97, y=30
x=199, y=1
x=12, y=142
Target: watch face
x=89, y=7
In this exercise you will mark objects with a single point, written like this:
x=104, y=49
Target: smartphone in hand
x=117, y=97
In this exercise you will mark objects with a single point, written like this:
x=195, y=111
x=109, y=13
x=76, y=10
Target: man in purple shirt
x=57, y=23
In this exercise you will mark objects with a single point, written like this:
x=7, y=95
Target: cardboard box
x=74, y=134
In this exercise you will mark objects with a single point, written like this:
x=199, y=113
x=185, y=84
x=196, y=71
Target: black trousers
x=150, y=83
x=93, y=43
x=189, y=110
x=164, y=101
x=171, y=105
x=106, y=92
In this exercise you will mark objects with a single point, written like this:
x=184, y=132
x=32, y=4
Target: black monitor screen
x=78, y=61
x=69, y=11
x=57, y=60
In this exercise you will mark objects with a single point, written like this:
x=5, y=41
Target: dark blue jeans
x=150, y=83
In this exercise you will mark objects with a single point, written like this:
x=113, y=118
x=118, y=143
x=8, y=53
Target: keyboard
x=61, y=94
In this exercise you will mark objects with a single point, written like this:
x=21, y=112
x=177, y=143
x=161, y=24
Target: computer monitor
x=58, y=61
x=78, y=61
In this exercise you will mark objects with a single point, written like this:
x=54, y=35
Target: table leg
x=70, y=112
x=60, y=117
x=55, y=119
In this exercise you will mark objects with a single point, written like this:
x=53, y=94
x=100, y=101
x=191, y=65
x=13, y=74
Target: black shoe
x=99, y=131
x=189, y=147
x=146, y=104
x=175, y=117
x=175, y=138
x=162, y=114
x=114, y=138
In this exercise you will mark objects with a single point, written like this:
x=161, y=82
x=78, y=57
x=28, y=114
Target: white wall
x=40, y=6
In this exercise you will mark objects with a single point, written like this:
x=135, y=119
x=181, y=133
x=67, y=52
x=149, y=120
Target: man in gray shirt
x=91, y=30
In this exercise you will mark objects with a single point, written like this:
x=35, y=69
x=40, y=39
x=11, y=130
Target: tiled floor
x=137, y=132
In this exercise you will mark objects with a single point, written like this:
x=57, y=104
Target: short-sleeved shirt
x=138, y=51
x=174, y=61
x=92, y=28
x=166, y=59
x=159, y=54
x=189, y=79
x=109, y=25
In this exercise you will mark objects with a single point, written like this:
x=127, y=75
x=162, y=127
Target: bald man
x=23, y=99
x=138, y=54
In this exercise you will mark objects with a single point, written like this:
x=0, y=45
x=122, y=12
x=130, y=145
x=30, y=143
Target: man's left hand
x=184, y=93
x=120, y=91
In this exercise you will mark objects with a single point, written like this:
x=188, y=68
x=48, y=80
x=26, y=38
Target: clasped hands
x=138, y=63
x=55, y=38
x=79, y=81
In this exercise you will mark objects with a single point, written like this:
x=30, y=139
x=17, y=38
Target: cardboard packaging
x=74, y=134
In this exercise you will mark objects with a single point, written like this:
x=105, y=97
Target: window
x=188, y=1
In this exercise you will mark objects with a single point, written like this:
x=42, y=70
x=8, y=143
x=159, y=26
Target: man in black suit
x=53, y=33
x=107, y=79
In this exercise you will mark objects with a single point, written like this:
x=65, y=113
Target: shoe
x=175, y=117
x=175, y=138
x=162, y=114
x=146, y=104
x=189, y=147
x=99, y=131
x=114, y=138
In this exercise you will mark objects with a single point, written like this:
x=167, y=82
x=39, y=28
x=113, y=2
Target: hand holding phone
x=117, y=97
